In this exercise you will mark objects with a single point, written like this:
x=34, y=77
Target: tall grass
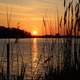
x=71, y=28
x=7, y=58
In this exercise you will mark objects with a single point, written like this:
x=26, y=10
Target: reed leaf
x=61, y=22
x=79, y=1
x=65, y=16
x=64, y=3
x=70, y=3
x=77, y=10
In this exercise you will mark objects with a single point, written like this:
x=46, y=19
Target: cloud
x=17, y=2
x=34, y=9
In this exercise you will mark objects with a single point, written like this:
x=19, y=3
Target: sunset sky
x=28, y=14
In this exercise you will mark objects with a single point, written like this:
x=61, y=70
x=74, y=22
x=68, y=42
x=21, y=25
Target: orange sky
x=29, y=13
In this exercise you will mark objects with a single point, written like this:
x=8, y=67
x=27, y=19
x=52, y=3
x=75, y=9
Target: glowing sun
x=34, y=32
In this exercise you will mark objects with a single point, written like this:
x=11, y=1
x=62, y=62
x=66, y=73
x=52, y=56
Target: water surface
x=37, y=54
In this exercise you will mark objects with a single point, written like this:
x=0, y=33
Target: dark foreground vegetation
x=71, y=74
x=13, y=33
x=69, y=71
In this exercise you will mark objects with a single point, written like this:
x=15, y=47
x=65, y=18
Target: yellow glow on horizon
x=34, y=32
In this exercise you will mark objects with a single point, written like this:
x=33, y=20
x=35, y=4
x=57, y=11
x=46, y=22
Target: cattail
x=44, y=22
x=64, y=3
x=77, y=10
x=79, y=24
x=71, y=18
x=70, y=5
x=60, y=21
x=65, y=16
x=72, y=10
x=79, y=1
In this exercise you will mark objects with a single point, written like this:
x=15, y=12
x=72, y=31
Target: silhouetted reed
x=71, y=28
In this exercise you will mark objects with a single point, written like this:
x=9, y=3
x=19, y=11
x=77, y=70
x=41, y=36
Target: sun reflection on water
x=34, y=54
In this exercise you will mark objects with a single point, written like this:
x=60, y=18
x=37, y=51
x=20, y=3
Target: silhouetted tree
x=13, y=33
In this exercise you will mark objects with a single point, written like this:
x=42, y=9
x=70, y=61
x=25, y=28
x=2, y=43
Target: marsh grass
x=71, y=69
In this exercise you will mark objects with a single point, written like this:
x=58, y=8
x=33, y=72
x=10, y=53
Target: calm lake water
x=37, y=54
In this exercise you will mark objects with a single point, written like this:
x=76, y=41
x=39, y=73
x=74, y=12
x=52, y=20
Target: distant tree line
x=13, y=33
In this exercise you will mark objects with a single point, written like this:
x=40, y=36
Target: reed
x=70, y=29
